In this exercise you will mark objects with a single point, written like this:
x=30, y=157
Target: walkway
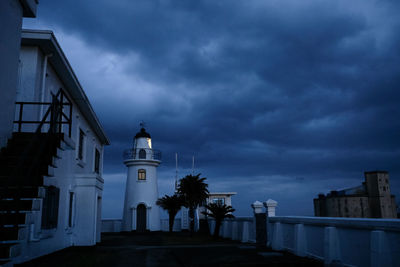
x=164, y=249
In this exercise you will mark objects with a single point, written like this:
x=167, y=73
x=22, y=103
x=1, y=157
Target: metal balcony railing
x=142, y=153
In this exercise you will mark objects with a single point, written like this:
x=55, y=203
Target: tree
x=193, y=191
x=172, y=204
x=219, y=212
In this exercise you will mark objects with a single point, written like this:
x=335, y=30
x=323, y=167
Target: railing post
x=300, y=242
x=270, y=205
x=277, y=238
x=331, y=246
x=260, y=223
x=380, y=252
x=21, y=109
x=245, y=232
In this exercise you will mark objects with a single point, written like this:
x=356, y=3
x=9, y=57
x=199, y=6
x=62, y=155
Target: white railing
x=349, y=241
x=239, y=228
x=111, y=225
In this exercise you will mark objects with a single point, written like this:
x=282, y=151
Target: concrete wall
x=11, y=13
x=111, y=225
x=355, y=242
x=239, y=228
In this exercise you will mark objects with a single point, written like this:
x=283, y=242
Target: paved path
x=164, y=249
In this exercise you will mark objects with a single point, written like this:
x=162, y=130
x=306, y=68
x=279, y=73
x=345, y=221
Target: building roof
x=29, y=8
x=222, y=193
x=142, y=133
x=47, y=42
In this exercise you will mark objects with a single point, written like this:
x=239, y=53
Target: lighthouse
x=140, y=210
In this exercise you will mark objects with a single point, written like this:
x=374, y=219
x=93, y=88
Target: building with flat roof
x=371, y=199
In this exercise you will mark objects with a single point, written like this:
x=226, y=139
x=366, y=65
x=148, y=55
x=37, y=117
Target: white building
x=11, y=14
x=141, y=212
x=52, y=166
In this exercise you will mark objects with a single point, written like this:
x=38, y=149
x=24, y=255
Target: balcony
x=142, y=153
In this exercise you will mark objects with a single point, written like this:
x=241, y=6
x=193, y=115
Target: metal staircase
x=23, y=165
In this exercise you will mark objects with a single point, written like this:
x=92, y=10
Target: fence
x=349, y=241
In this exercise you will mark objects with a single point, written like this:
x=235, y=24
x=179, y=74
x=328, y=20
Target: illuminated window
x=141, y=174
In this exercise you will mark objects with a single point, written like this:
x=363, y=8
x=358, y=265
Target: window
x=141, y=174
x=71, y=202
x=50, y=208
x=142, y=154
x=97, y=161
x=219, y=201
x=80, y=144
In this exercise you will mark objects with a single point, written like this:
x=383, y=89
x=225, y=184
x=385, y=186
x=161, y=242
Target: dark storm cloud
x=255, y=89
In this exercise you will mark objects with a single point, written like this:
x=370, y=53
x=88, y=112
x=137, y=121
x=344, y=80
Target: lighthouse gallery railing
x=142, y=153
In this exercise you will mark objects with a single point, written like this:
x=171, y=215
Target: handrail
x=65, y=119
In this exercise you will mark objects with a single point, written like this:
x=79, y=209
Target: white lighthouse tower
x=140, y=210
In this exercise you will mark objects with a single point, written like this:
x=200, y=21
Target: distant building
x=51, y=167
x=372, y=199
x=217, y=197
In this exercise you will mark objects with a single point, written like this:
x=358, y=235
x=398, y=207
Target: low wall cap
x=271, y=201
x=257, y=204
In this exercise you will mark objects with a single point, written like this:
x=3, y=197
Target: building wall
x=10, y=39
x=72, y=175
x=349, y=206
x=378, y=187
x=376, y=202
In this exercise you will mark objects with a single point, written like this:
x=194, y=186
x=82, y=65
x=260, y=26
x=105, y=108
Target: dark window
x=50, y=208
x=71, y=202
x=80, y=144
x=97, y=161
x=142, y=154
x=141, y=174
x=219, y=200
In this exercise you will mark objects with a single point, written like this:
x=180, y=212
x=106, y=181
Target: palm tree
x=219, y=212
x=194, y=191
x=172, y=204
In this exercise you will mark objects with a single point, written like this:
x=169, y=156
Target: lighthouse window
x=142, y=154
x=141, y=174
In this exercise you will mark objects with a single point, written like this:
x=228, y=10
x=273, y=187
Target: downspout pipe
x=43, y=83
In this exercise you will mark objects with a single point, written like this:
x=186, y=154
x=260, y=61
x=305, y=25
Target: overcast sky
x=275, y=99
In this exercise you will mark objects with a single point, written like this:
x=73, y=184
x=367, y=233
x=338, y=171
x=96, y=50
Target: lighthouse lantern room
x=140, y=210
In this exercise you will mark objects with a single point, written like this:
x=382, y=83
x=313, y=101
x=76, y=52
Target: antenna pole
x=193, y=165
x=176, y=172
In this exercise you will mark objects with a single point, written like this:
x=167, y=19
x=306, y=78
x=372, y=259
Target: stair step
x=41, y=169
x=12, y=233
x=21, y=205
x=24, y=192
x=13, y=218
x=9, y=250
x=10, y=181
x=3, y=262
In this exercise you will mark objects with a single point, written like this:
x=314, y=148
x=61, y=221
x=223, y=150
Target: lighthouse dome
x=142, y=133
